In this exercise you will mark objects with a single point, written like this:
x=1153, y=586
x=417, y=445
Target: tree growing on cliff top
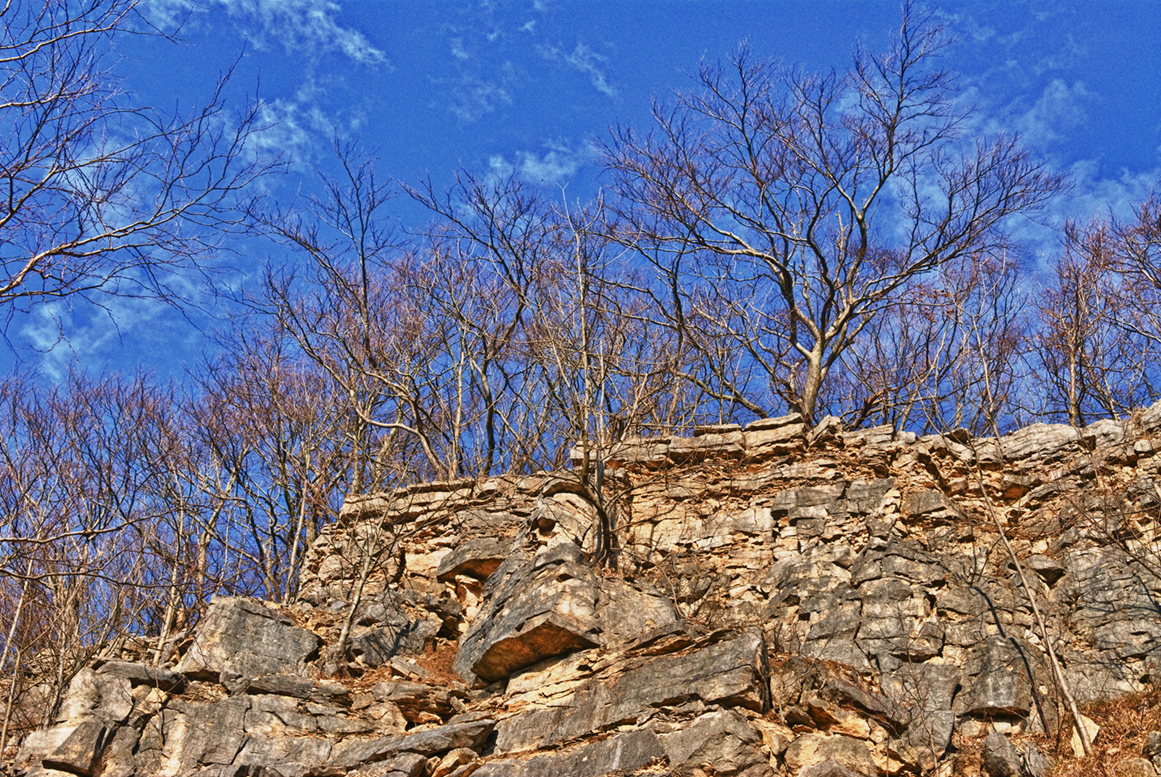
x=783, y=210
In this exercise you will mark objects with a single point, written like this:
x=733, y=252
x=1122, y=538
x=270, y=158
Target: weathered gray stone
x=476, y=558
x=244, y=638
x=763, y=424
x=842, y=651
x=187, y=734
x=891, y=624
x=143, y=674
x=1049, y=569
x=929, y=736
x=1038, y=441
x=1115, y=602
x=930, y=504
x=551, y=605
x=923, y=687
x=774, y=436
x=723, y=741
x=1150, y=418
x=727, y=668
x=78, y=754
x=865, y=497
x=352, y=752
x=277, y=714
x=375, y=646
x=628, y=610
x=402, y=765
x=535, y=608
x=621, y=754
x=637, y=450
x=1000, y=675
x=40, y=743
x=290, y=756
x=279, y=684
x=117, y=757
x=692, y=449
x=1001, y=758
x=1102, y=433
x=1036, y=764
x=875, y=436
x=414, y=700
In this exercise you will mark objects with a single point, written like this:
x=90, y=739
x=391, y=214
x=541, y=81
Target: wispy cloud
x=283, y=133
x=554, y=167
x=89, y=336
x=298, y=26
x=301, y=128
x=473, y=94
x=585, y=60
x=1060, y=107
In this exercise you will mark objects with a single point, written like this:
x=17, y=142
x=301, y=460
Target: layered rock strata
x=780, y=600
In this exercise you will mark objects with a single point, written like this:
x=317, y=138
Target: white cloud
x=554, y=167
x=283, y=132
x=1059, y=108
x=473, y=95
x=88, y=334
x=299, y=26
x=1100, y=197
x=1070, y=54
x=585, y=60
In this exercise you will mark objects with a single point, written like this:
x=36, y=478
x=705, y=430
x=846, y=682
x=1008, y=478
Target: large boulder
x=1001, y=677
x=726, y=668
x=387, y=628
x=550, y=605
x=621, y=754
x=243, y=638
x=719, y=743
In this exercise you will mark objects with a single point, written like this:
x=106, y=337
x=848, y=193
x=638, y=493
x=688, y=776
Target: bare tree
x=1139, y=261
x=950, y=353
x=1095, y=341
x=102, y=196
x=783, y=210
x=79, y=535
x=271, y=427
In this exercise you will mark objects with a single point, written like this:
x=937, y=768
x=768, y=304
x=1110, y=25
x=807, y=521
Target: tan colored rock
x=836, y=720
x=775, y=736
x=453, y=761
x=1093, y=731
x=730, y=445
x=810, y=749
x=245, y=638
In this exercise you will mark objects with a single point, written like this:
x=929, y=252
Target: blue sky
x=431, y=86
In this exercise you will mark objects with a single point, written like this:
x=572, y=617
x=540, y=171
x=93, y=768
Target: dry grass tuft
x=1125, y=725
x=438, y=663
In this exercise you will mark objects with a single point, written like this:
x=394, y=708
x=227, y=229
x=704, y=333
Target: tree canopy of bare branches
x=99, y=195
x=783, y=210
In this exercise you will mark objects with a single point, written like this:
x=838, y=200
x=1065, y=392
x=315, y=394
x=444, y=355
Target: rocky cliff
x=782, y=600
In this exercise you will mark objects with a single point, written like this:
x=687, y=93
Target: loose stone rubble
x=783, y=600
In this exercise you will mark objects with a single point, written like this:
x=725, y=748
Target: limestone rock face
x=780, y=600
x=551, y=605
x=621, y=754
x=725, y=668
x=244, y=638
x=811, y=749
